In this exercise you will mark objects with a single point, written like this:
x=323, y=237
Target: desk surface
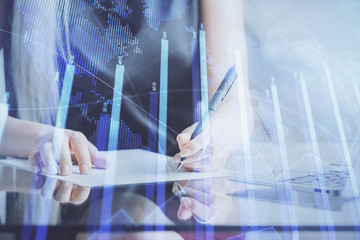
x=32, y=204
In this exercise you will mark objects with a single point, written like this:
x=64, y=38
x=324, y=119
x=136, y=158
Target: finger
x=213, y=200
x=203, y=165
x=199, y=155
x=37, y=181
x=215, y=162
x=175, y=190
x=49, y=187
x=216, y=198
x=200, y=211
x=199, y=142
x=213, y=132
x=182, y=139
x=65, y=162
x=99, y=160
x=178, y=190
x=35, y=161
x=79, y=194
x=78, y=144
x=207, y=186
x=63, y=192
x=190, y=129
x=203, y=153
x=176, y=157
x=206, y=189
x=47, y=157
x=185, y=136
x=183, y=213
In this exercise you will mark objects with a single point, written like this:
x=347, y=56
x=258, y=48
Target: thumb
x=199, y=142
x=185, y=136
x=98, y=159
x=183, y=213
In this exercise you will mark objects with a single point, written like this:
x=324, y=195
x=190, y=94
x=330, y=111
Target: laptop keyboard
x=332, y=179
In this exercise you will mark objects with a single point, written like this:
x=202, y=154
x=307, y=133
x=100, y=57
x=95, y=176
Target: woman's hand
x=74, y=147
x=210, y=150
x=50, y=150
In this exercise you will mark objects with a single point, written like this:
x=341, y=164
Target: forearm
x=225, y=38
x=21, y=137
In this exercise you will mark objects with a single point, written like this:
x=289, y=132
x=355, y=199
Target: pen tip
x=178, y=166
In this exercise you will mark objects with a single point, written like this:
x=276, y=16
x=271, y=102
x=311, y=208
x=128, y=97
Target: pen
x=219, y=96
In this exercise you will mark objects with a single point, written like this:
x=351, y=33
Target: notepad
x=128, y=167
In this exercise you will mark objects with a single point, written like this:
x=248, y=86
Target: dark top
x=98, y=35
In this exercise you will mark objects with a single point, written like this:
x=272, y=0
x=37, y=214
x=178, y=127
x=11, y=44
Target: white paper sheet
x=128, y=167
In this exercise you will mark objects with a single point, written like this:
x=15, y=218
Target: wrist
x=21, y=137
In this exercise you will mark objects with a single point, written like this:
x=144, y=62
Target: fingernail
x=183, y=214
x=52, y=167
x=66, y=170
x=175, y=191
x=185, y=152
x=84, y=169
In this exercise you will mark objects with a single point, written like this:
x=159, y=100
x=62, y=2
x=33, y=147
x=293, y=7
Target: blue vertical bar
x=209, y=230
x=3, y=100
x=62, y=115
x=116, y=108
x=113, y=141
x=203, y=73
x=152, y=139
x=3, y=117
x=63, y=111
x=43, y=217
x=29, y=212
x=195, y=77
x=160, y=197
x=153, y=116
x=94, y=212
x=102, y=132
x=65, y=96
x=53, y=97
x=163, y=95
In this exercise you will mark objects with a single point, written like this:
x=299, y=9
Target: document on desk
x=128, y=167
